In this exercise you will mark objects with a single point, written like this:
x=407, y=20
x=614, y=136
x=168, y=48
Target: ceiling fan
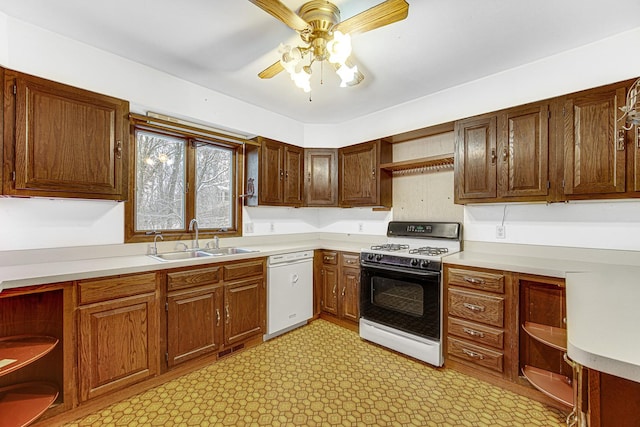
x=325, y=37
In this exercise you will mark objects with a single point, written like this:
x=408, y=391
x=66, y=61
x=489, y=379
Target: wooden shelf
x=552, y=336
x=554, y=385
x=443, y=161
x=20, y=350
x=21, y=404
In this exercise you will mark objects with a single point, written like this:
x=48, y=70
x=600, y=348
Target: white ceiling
x=222, y=45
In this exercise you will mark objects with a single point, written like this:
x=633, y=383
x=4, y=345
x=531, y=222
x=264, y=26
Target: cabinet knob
x=118, y=149
x=473, y=307
x=493, y=157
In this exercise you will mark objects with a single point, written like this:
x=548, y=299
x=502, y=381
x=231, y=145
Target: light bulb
x=339, y=48
x=346, y=74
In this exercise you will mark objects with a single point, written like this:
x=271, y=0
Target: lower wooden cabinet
x=118, y=333
x=212, y=308
x=480, y=320
x=339, y=284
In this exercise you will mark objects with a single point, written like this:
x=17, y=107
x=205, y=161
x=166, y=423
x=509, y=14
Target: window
x=177, y=177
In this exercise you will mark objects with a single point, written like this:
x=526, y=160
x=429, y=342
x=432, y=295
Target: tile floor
x=324, y=375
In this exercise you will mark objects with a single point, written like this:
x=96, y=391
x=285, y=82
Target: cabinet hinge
x=166, y=306
x=563, y=183
x=548, y=114
x=548, y=184
x=166, y=357
x=13, y=176
x=15, y=89
x=564, y=111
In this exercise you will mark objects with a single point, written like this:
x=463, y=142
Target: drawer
x=194, y=277
x=351, y=260
x=481, y=280
x=244, y=269
x=475, y=332
x=478, y=355
x=109, y=288
x=330, y=257
x=479, y=308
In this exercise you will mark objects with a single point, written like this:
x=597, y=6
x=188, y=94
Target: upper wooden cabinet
x=567, y=148
x=281, y=169
x=321, y=177
x=361, y=181
x=475, y=158
x=62, y=141
x=594, y=142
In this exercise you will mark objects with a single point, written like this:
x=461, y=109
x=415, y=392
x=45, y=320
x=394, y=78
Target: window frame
x=192, y=139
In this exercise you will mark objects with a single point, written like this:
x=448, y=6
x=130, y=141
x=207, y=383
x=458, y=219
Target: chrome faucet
x=154, y=249
x=193, y=226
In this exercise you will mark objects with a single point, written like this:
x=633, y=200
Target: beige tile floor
x=324, y=375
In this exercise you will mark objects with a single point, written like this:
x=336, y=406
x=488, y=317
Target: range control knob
x=370, y=256
x=425, y=263
x=378, y=257
x=414, y=262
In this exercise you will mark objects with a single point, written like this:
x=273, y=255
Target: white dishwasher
x=289, y=292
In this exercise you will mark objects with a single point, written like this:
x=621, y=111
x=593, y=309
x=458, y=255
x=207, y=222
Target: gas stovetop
x=415, y=245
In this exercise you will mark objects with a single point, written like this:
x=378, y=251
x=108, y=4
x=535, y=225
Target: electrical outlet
x=360, y=227
x=272, y=227
x=501, y=231
x=248, y=227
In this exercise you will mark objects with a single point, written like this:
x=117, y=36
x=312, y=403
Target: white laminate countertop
x=39, y=271
x=602, y=306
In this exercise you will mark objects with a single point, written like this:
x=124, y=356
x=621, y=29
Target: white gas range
x=401, y=289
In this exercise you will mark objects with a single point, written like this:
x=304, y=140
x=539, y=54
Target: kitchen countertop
x=601, y=299
x=601, y=316
x=28, y=271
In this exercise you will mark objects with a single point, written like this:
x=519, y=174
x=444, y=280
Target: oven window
x=399, y=296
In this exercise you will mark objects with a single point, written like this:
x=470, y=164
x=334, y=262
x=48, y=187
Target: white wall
x=601, y=225
x=42, y=223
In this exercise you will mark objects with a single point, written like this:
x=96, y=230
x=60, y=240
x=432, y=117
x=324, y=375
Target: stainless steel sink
x=172, y=256
x=228, y=251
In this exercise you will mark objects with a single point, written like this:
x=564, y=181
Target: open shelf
x=549, y=335
x=554, y=385
x=444, y=161
x=21, y=404
x=20, y=350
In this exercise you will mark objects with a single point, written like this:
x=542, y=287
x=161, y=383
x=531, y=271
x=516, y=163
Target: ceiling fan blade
x=378, y=16
x=281, y=12
x=271, y=70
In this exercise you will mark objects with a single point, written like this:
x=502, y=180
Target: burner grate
x=391, y=247
x=429, y=250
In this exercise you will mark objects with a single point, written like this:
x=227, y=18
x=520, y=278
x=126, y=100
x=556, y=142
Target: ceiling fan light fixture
x=302, y=79
x=347, y=75
x=339, y=48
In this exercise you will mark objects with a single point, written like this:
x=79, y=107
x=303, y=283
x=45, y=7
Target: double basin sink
x=199, y=253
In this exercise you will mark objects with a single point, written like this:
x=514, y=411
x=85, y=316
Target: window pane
x=214, y=186
x=160, y=182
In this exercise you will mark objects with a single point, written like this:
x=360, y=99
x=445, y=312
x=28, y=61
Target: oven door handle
x=400, y=270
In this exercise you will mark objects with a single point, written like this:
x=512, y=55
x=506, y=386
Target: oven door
x=403, y=299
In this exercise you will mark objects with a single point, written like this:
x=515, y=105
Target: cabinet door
x=523, y=151
x=329, y=289
x=594, y=143
x=244, y=310
x=321, y=178
x=271, y=173
x=118, y=344
x=194, y=323
x=68, y=142
x=293, y=171
x=358, y=175
x=349, y=294
x=475, y=163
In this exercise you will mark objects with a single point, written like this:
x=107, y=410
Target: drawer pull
x=474, y=280
x=473, y=307
x=217, y=317
x=473, y=333
x=473, y=354
x=350, y=261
